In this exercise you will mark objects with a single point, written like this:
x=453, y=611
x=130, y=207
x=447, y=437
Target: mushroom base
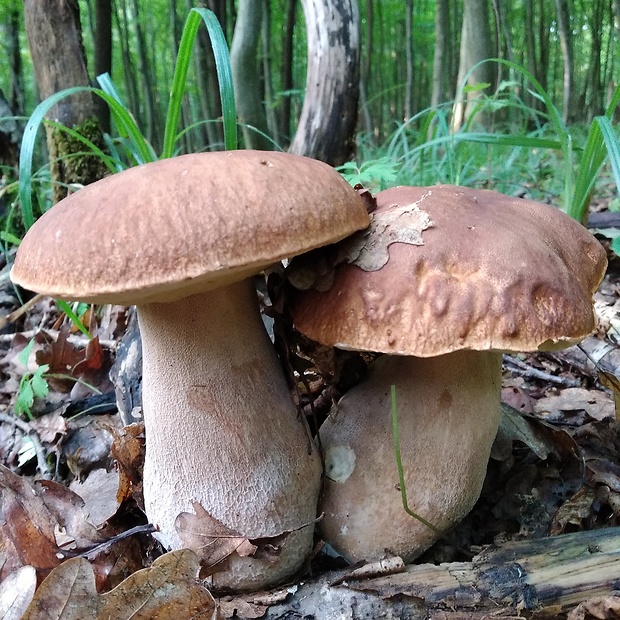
x=448, y=416
x=222, y=431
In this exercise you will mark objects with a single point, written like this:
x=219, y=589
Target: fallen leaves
x=167, y=590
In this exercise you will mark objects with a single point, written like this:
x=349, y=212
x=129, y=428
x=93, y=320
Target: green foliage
x=131, y=147
x=554, y=158
x=32, y=385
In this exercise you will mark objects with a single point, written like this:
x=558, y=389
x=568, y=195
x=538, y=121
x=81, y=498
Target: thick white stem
x=448, y=416
x=222, y=430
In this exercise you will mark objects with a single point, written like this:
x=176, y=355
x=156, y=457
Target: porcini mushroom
x=180, y=238
x=442, y=282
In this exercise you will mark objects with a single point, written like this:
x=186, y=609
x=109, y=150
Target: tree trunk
x=328, y=121
x=152, y=124
x=441, y=58
x=268, y=96
x=55, y=39
x=476, y=45
x=566, y=41
x=408, y=58
x=14, y=56
x=245, y=72
x=103, y=54
x=286, y=73
x=530, y=51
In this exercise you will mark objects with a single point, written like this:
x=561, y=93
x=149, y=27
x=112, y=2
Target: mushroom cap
x=479, y=270
x=175, y=227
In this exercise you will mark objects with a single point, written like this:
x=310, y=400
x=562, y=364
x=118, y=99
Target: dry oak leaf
x=16, y=592
x=214, y=541
x=599, y=608
x=167, y=590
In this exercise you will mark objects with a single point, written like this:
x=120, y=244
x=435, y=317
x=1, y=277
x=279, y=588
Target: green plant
x=399, y=465
x=131, y=147
x=32, y=385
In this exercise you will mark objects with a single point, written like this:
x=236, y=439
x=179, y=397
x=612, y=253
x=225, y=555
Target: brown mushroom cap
x=178, y=226
x=492, y=272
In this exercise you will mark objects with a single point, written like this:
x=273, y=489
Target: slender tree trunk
x=365, y=68
x=153, y=129
x=543, y=39
x=266, y=69
x=14, y=57
x=530, y=53
x=129, y=69
x=408, y=57
x=328, y=119
x=250, y=109
x=55, y=39
x=103, y=54
x=476, y=45
x=286, y=73
x=566, y=41
x=442, y=53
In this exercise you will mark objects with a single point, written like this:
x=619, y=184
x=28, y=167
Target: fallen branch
x=540, y=579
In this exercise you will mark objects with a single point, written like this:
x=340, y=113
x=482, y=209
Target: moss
x=70, y=163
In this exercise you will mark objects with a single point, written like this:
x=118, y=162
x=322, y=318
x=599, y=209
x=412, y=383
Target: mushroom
x=442, y=282
x=181, y=238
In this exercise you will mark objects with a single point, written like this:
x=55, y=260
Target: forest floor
x=70, y=477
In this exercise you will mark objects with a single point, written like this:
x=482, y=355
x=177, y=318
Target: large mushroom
x=442, y=282
x=181, y=238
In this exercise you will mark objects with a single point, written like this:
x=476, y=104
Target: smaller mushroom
x=443, y=281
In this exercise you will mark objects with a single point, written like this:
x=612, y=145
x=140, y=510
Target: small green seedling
x=32, y=385
x=399, y=465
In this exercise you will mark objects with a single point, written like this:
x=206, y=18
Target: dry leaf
x=613, y=383
x=100, y=494
x=167, y=591
x=128, y=451
x=27, y=527
x=597, y=405
x=210, y=538
x=16, y=592
x=597, y=608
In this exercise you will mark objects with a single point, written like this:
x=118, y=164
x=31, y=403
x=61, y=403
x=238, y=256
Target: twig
x=13, y=316
x=76, y=339
x=28, y=430
x=529, y=371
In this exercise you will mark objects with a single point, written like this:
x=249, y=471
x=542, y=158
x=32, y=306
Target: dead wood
x=537, y=579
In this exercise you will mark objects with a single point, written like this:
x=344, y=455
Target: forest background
x=415, y=58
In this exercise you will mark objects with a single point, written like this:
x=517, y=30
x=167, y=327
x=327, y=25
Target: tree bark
x=476, y=45
x=566, y=41
x=54, y=36
x=408, y=58
x=441, y=57
x=103, y=54
x=245, y=72
x=286, y=73
x=328, y=121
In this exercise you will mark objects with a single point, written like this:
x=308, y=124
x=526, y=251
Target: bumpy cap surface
x=445, y=268
x=175, y=227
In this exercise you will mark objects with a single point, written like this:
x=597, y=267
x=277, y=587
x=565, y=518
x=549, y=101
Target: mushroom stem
x=448, y=416
x=222, y=430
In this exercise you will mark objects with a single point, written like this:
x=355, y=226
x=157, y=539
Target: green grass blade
x=399, y=465
x=66, y=308
x=137, y=145
x=224, y=74
x=27, y=150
